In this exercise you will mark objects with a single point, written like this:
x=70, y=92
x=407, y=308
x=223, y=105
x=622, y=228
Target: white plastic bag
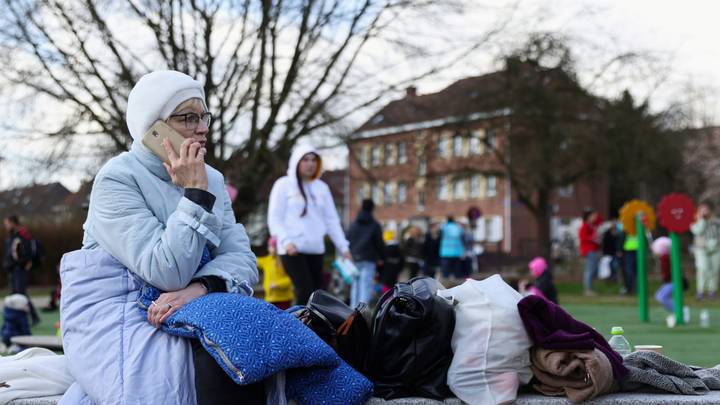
x=604, y=270
x=490, y=345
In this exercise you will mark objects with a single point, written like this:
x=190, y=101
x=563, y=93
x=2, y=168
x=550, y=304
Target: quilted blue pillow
x=252, y=340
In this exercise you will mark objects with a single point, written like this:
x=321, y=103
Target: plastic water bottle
x=704, y=318
x=618, y=342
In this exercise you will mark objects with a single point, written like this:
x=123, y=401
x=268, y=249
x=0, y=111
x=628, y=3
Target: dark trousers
x=629, y=269
x=213, y=386
x=18, y=285
x=452, y=265
x=305, y=271
x=414, y=268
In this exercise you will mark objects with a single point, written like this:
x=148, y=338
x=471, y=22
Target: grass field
x=689, y=344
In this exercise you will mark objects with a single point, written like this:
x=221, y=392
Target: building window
x=389, y=154
x=442, y=190
x=566, y=191
x=375, y=193
x=458, y=189
x=442, y=146
x=494, y=229
x=490, y=139
x=476, y=145
x=388, y=193
x=457, y=145
x=364, y=191
x=361, y=193
x=475, y=186
x=491, y=186
x=364, y=156
x=401, y=153
x=422, y=166
x=376, y=155
x=401, y=193
x=421, y=200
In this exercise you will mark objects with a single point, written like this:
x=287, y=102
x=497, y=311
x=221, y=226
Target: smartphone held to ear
x=154, y=137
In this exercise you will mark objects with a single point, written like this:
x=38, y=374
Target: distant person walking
x=300, y=213
x=611, y=249
x=706, y=230
x=452, y=248
x=590, y=248
x=368, y=250
x=431, y=250
x=630, y=246
x=18, y=259
x=413, y=248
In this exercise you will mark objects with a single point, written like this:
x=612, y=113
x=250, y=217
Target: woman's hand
x=167, y=303
x=291, y=249
x=188, y=169
x=346, y=254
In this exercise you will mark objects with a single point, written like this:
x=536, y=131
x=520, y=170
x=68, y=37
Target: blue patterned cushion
x=252, y=340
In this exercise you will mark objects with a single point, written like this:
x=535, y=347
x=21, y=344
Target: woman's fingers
x=172, y=156
x=169, y=310
x=159, y=312
x=185, y=148
x=193, y=150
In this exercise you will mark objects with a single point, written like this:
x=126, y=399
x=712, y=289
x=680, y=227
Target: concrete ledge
x=525, y=399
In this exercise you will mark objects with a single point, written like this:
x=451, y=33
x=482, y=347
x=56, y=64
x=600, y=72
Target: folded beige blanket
x=580, y=375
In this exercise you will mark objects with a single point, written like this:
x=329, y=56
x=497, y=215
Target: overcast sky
x=683, y=36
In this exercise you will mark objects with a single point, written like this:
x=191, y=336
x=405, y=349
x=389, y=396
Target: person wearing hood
x=171, y=224
x=301, y=212
x=368, y=250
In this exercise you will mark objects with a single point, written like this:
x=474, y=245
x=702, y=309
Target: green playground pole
x=641, y=270
x=676, y=278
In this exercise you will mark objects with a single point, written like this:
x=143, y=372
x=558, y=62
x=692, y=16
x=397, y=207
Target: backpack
x=37, y=253
x=31, y=249
x=410, y=352
x=345, y=329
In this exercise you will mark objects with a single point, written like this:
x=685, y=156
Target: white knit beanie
x=156, y=95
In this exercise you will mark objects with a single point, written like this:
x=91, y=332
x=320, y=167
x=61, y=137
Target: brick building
x=424, y=157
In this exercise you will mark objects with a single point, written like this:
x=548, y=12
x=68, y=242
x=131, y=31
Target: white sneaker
x=671, y=321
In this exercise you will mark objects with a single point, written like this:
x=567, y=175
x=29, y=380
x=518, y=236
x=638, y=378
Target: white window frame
x=401, y=153
x=474, y=186
x=443, y=193
x=388, y=198
x=443, y=146
x=376, y=155
x=491, y=186
x=401, y=192
x=458, y=188
x=390, y=154
x=457, y=145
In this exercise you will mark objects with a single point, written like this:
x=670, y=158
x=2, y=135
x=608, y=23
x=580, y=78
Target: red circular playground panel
x=676, y=212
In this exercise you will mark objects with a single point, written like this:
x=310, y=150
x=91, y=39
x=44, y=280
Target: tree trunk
x=542, y=220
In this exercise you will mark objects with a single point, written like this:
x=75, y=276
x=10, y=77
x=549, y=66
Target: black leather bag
x=345, y=329
x=410, y=351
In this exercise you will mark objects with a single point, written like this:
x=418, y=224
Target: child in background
x=542, y=285
x=664, y=295
x=15, y=318
x=393, y=263
x=276, y=283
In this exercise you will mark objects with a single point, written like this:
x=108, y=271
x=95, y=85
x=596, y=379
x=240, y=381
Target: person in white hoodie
x=300, y=213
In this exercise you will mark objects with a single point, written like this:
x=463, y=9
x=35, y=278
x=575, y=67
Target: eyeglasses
x=192, y=120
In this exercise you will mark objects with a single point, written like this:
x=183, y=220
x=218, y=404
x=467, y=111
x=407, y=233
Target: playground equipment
x=676, y=213
x=637, y=217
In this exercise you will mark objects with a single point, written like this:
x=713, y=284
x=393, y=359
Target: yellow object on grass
x=276, y=282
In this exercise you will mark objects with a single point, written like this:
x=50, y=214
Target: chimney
x=411, y=91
